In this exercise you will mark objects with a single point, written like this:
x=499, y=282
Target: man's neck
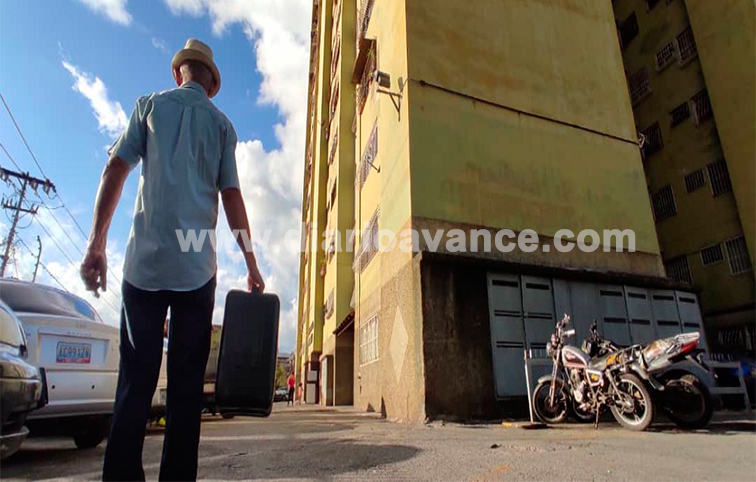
x=190, y=82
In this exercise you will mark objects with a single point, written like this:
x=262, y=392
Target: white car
x=77, y=356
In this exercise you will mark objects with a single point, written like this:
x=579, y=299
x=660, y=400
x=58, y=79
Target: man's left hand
x=94, y=270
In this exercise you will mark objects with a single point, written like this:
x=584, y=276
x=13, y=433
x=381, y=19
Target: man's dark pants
x=143, y=315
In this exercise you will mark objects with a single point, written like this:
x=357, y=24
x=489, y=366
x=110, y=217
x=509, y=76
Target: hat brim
x=191, y=54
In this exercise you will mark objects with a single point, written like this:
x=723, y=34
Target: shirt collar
x=195, y=86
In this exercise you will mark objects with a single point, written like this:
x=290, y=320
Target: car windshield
x=35, y=298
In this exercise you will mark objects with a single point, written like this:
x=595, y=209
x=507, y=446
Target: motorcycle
x=580, y=383
x=679, y=393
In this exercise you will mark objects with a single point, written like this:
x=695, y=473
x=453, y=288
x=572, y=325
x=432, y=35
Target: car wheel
x=92, y=433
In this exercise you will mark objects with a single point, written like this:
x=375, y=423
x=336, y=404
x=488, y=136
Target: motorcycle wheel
x=544, y=411
x=687, y=402
x=640, y=416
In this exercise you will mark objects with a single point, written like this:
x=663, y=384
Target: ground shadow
x=310, y=458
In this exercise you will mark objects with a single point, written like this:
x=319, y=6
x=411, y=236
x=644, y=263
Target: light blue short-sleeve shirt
x=187, y=148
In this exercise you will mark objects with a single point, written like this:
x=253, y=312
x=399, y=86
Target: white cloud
x=115, y=10
x=111, y=118
x=271, y=178
x=161, y=45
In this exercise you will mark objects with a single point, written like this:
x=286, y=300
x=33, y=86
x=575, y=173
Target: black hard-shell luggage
x=247, y=357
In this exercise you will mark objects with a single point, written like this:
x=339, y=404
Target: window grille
x=368, y=156
x=694, y=180
x=719, y=178
x=665, y=55
x=678, y=269
x=702, y=110
x=679, y=114
x=639, y=84
x=653, y=140
x=369, y=341
x=737, y=255
x=686, y=46
x=712, y=255
x=664, y=204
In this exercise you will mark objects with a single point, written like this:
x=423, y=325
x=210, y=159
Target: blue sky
x=71, y=71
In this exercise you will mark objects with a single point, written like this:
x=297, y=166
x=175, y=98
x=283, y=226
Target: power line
x=10, y=157
x=65, y=231
x=105, y=300
x=57, y=195
x=22, y=135
x=60, y=248
x=21, y=240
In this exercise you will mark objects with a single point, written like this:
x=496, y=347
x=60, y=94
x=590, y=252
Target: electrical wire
x=105, y=300
x=7, y=108
x=57, y=195
x=9, y=156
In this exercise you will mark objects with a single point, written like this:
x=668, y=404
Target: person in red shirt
x=290, y=382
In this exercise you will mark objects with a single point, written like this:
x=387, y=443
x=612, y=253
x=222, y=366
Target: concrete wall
x=520, y=119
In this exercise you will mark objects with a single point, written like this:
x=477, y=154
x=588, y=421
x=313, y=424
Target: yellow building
x=466, y=119
x=691, y=77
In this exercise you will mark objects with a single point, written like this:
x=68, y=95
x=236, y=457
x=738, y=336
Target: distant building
x=690, y=73
x=284, y=360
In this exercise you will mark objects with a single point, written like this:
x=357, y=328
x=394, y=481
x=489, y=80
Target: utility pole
x=17, y=208
x=39, y=256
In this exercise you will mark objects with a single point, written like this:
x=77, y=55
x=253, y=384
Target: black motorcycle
x=677, y=391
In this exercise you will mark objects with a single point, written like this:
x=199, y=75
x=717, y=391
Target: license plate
x=73, y=353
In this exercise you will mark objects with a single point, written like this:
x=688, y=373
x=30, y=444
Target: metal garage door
x=639, y=315
x=523, y=312
x=666, y=317
x=507, y=334
x=614, y=314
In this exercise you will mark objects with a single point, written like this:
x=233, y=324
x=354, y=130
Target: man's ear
x=177, y=76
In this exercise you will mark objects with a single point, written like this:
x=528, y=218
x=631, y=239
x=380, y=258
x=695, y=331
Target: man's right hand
x=255, y=281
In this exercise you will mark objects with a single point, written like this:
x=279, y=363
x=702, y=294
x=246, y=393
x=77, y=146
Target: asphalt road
x=308, y=443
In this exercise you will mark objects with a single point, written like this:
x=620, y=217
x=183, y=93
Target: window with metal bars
x=334, y=146
x=712, y=255
x=334, y=102
x=368, y=156
x=328, y=307
x=653, y=141
x=694, y=180
x=664, y=204
x=737, y=255
x=368, y=244
x=665, y=55
x=628, y=30
x=639, y=84
x=686, y=46
x=679, y=114
x=366, y=82
x=719, y=177
x=702, y=110
x=678, y=269
x=369, y=341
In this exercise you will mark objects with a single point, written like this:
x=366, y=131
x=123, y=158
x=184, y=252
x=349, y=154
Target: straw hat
x=201, y=52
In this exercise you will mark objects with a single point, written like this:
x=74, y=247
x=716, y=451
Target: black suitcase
x=247, y=358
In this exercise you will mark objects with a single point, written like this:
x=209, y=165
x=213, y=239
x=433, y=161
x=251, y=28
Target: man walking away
x=187, y=148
